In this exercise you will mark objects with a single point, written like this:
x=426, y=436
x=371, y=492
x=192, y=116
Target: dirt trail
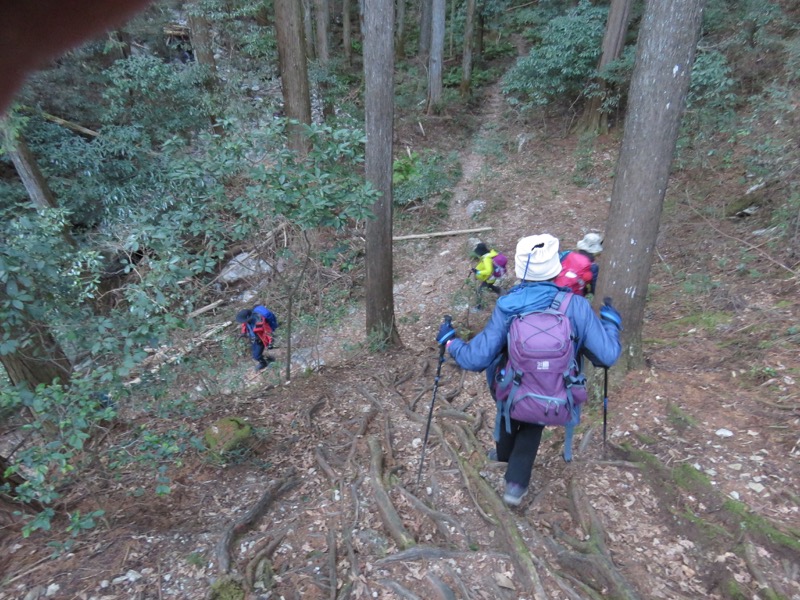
x=327, y=506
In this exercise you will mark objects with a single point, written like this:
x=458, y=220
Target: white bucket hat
x=536, y=258
x=591, y=242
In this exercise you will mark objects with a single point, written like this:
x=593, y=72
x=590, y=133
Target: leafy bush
x=420, y=177
x=557, y=68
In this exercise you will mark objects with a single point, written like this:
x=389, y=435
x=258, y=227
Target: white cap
x=591, y=242
x=536, y=258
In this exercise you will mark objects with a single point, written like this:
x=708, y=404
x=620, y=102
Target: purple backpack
x=540, y=382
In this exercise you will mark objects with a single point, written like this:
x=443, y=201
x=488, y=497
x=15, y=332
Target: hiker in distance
x=536, y=264
x=491, y=267
x=258, y=325
x=579, y=270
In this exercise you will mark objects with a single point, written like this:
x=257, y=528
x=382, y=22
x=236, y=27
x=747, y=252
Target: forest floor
x=694, y=494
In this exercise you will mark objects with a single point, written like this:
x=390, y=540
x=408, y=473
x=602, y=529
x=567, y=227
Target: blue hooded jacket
x=596, y=339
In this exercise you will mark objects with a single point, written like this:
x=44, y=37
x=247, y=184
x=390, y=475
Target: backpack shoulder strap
x=561, y=300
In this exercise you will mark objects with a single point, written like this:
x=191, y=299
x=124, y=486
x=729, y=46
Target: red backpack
x=576, y=272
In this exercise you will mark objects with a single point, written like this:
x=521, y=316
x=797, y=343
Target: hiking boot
x=261, y=366
x=514, y=493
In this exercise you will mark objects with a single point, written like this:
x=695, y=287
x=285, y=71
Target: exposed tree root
x=362, y=428
x=311, y=411
x=591, y=562
x=222, y=551
x=398, y=589
x=428, y=553
x=505, y=523
x=442, y=521
x=465, y=593
x=751, y=559
x=441, y=590
x=332, y=561
x=391, y=520
x=258, y=568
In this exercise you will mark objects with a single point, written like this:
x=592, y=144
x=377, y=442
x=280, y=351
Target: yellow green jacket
x=485, y=267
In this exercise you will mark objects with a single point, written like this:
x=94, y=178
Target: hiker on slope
x=491, y=267
x=579, y=270
x=258, y=325
x=536, y=264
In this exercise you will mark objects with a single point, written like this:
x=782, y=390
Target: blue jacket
x=597, y=340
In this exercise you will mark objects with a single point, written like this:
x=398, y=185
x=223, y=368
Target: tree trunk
x=593, y=120
x=294, y=71
x=32, y=178
x=200, y=32
x=308, y=28
x=400, y=31
x=40, y=361
x=436, y=58
x=347, y=33
x=28, y=171
x=425, y=21
x=379, y=108
x=322, y=20
x=466, y=59
x=664, y=57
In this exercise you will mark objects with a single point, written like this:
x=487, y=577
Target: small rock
x=756, y=487
x=724, y=433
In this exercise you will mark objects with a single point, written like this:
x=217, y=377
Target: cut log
x=420, y=236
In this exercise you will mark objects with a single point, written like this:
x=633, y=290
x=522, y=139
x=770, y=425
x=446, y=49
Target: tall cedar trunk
x=308, y=28
x=41, y=361
x=451, y=49
x=436, y=58
x=294, y=71
x=400, y=31
x=379, y=105
x=613, y=42
x=466, y=59
x=664, y=57
x=347, y=33
x=322, y=21
x=200, y=32
x=481, y=28
x=425, y=21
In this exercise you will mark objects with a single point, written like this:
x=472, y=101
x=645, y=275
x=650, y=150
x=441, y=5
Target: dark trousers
x=519, y=449
x=258, y=352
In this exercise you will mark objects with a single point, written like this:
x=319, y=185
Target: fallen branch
x=419, y=236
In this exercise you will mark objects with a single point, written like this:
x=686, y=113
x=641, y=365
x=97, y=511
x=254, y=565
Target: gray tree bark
x=436, y=59
x=200, y=31
x=466, y=59
x=664, y=57
x=294, y=71
x=400, y=30
x=379, y=104
x=425, y=12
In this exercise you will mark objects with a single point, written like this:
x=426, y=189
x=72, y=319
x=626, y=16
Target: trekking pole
x=447, y=320
x=605, y=404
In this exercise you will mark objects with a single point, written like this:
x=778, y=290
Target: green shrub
x=557, y=68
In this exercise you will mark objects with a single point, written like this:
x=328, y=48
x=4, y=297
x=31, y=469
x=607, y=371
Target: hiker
x=536, y=265
x=578, y=267
x=491, y=267
x=258, y=324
